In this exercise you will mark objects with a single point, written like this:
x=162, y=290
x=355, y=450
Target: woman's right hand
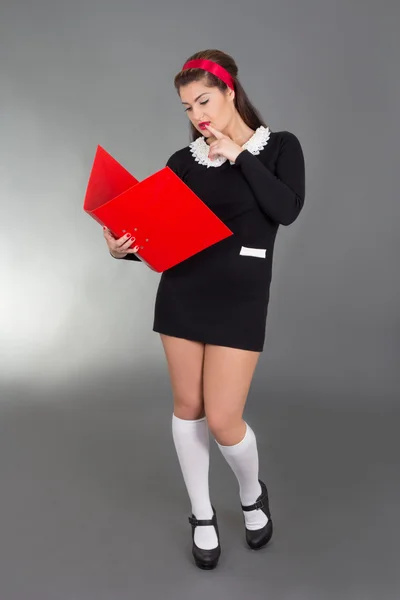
x=119, y=247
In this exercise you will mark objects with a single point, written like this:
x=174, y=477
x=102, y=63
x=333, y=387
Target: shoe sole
x=206, y=567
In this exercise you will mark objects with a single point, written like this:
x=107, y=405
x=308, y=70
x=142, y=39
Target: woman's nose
x=198, y=117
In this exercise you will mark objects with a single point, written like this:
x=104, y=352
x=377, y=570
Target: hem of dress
x=209, y=341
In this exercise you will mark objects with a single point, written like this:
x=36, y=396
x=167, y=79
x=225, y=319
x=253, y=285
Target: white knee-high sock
x=243, y=460
x=191, y=439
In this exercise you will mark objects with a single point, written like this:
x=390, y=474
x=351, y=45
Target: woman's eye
x=205, y=102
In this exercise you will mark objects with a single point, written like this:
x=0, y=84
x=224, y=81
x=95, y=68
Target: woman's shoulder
x=285, y=144
x=179, y=158
x=283, y=137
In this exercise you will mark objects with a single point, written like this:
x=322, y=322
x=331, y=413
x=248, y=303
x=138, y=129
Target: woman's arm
x=280, y=196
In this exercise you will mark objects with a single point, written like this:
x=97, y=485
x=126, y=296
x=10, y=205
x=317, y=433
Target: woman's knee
x=223, y=427
x=188, y=408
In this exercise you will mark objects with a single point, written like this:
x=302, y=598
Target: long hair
x=245, y=108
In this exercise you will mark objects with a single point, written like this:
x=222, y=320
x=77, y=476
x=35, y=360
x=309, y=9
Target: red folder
x=169, y=221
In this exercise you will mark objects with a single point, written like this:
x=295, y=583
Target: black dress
x=220, y=295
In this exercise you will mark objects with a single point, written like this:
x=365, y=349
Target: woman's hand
x=119, y=247
x=223, y=146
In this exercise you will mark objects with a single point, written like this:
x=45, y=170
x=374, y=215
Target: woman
x=211, y=309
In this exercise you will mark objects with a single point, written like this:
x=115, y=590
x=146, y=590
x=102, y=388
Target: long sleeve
x=280, y=196
x=127, y=257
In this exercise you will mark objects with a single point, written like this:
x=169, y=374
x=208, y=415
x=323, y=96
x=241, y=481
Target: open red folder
x=169, y=221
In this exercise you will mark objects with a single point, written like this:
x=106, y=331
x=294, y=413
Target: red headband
x=211, y=67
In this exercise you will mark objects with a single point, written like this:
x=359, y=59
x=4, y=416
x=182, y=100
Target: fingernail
x=128, y=235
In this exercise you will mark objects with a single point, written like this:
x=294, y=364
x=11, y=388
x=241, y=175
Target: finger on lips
x=215, y=132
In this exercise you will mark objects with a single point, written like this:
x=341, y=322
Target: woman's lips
x=204, y=124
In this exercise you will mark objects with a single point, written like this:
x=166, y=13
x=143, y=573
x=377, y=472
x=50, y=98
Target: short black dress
x=220, y=295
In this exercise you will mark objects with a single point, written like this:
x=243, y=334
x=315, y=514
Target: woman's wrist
x=117, y=257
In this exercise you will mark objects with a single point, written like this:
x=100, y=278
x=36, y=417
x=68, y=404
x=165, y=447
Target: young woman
x=211, y=309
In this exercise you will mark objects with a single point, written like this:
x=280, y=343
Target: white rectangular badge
x=260, y=252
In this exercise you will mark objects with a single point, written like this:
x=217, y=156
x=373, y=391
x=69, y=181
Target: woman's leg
x=190, y=429
x=227, y=377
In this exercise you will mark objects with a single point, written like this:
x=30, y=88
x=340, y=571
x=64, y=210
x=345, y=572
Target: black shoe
x=258, y=538
x=205, y=559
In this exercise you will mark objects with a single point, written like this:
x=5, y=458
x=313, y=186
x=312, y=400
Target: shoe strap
x=255, y=506
x=196, y=522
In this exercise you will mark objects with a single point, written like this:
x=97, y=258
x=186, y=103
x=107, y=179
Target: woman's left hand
x=223, y=146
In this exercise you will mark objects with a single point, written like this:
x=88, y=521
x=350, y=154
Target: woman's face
x=205, y=104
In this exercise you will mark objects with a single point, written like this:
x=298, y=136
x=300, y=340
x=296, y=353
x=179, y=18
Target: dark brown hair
x=245, y=108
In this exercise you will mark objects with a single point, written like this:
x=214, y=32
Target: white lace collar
x=200, y=149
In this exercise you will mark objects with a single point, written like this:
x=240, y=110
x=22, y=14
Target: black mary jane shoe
x=258, y=538
x=205, y=559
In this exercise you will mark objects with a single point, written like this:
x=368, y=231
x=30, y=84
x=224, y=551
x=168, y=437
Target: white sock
x=243, y=460
x=191, y=439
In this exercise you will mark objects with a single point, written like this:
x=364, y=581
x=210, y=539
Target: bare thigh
x=185, y=365
x=227, y=377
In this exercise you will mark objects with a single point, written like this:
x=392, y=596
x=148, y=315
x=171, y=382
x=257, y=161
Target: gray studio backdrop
x=88, y=471
x=77, y=74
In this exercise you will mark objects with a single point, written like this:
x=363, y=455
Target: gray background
x=92, y=503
